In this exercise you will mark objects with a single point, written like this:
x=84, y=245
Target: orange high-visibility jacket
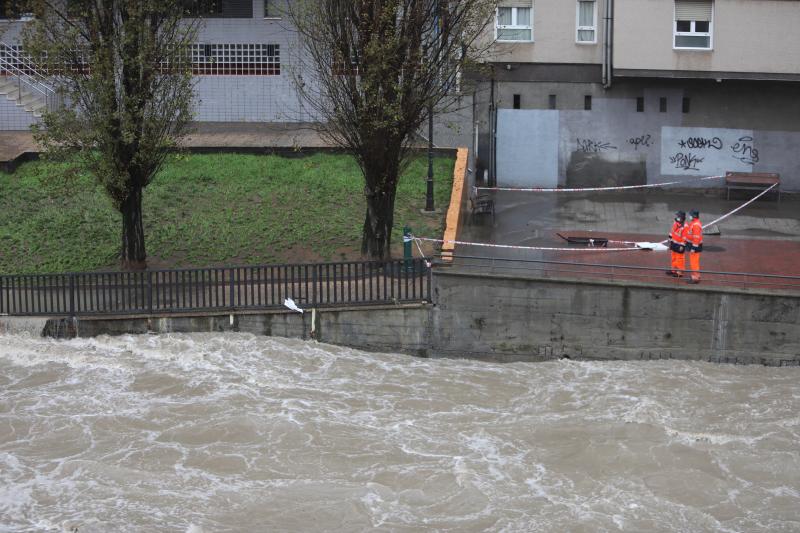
x=677, y=235
x=694, y=232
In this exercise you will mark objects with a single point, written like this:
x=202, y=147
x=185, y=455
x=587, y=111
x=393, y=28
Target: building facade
x=244, y=59
x=621, y=92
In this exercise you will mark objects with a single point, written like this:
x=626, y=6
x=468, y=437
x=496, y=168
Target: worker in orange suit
x=694, y=244
x=677, y=245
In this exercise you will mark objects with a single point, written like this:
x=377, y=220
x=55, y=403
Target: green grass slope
x=204, y=210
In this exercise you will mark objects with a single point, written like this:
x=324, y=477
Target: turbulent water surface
x=231, y=432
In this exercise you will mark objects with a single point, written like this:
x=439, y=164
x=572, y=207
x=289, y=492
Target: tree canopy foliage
x=122, y=70
x=371, y=69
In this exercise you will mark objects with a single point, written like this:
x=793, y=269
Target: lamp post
x=429, y=189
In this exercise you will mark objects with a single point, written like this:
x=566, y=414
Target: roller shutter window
x=514, y=21
x=693, y=24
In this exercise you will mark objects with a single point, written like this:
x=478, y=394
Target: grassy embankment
x=204, y=210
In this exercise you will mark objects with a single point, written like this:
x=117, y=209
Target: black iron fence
x=209, y=289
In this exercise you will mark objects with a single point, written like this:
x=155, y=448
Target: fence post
x=2, y=299
x=71, y=294
x=232, y=290
x=429, y=279
x=407, y=252
x=314, y=277
x=150, y=292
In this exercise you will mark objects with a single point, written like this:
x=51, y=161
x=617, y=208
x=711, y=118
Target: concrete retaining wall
x=516, y=319
x=395, y=328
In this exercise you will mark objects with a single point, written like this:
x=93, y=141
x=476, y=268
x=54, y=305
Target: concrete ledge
x=457, y=200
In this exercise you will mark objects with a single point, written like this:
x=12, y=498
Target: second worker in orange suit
x=677, y=244
x=694, y=244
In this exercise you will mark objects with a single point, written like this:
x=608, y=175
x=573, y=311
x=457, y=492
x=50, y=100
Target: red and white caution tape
x=632, y=245
x=590, y=189
x=723, y=217
x=539, y=248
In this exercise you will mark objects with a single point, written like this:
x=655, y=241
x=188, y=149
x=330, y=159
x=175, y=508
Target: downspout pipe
x=608, y=44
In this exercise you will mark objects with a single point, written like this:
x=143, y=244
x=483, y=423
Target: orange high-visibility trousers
x=678, y=263
x=694, y=265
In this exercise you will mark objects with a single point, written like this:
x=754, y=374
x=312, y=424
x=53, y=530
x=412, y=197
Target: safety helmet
x=680, y=215
x=694, y=213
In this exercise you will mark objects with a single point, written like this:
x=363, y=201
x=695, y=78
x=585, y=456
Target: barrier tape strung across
x=589, y=189
x=634, y=245
x=723, y=217
x=539, y=248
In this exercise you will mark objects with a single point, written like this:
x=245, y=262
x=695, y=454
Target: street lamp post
x=429, y=190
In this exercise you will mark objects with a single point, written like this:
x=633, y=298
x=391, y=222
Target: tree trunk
x=377, y=238
x=133, y=256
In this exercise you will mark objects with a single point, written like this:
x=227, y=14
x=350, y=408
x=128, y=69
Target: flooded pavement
x=763, y=238
x=232, y=432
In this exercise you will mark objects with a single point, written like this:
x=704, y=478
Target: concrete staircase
x=23, y=97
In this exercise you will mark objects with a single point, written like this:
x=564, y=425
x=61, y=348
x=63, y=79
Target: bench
x=757, y=181
x=481, y=204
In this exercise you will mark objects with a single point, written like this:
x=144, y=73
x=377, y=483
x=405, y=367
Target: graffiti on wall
x=701, y=142
x=711, y=151
x=686, y=161
x=744, y=151
x=593, y=146
x=644, y=141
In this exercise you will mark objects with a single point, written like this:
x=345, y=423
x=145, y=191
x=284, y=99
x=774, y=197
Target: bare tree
x=371, y=70
x=122, y=69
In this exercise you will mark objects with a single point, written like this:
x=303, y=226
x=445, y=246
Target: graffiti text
x=590, y=145
x=685, y=161
x=642, y=140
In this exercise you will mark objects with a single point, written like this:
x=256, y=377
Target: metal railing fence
x=209, y=289
x=543, y=268
x=28, y=75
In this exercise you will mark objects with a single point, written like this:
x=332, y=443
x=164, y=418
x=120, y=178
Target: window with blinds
x=693, y=24
x=514, y=21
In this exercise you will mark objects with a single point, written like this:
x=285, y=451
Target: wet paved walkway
x=763, y=238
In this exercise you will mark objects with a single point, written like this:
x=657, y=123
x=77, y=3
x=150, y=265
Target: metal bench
x=481, y=204
x=757, y=181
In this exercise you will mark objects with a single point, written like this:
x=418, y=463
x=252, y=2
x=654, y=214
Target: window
x=236, y=59
x=271, y=9
x=693, y=24
x=551, y=101
x=514, y=24
x=685, y=106
x=10, y=9
x=587, y=102
x=640, y=104
x=200, y=8
x=587, y=22
x=517, y=101
x=662, y=104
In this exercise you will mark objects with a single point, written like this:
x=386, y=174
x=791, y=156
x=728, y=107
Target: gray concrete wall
x=262, y=98
x=13, y=117
x=517, y=319
x=730, y=126
x=403, y=328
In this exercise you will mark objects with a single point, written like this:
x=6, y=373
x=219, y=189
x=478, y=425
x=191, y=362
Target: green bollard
x=407, y=256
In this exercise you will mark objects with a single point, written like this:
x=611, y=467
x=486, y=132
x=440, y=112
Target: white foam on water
x=208, y=432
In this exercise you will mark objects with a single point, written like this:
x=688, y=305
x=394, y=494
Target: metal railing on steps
x=28, y=79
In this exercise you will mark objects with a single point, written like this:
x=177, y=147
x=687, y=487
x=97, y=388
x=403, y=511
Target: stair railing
x=27, y=75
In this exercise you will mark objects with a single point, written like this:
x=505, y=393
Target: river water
x=232, y=432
